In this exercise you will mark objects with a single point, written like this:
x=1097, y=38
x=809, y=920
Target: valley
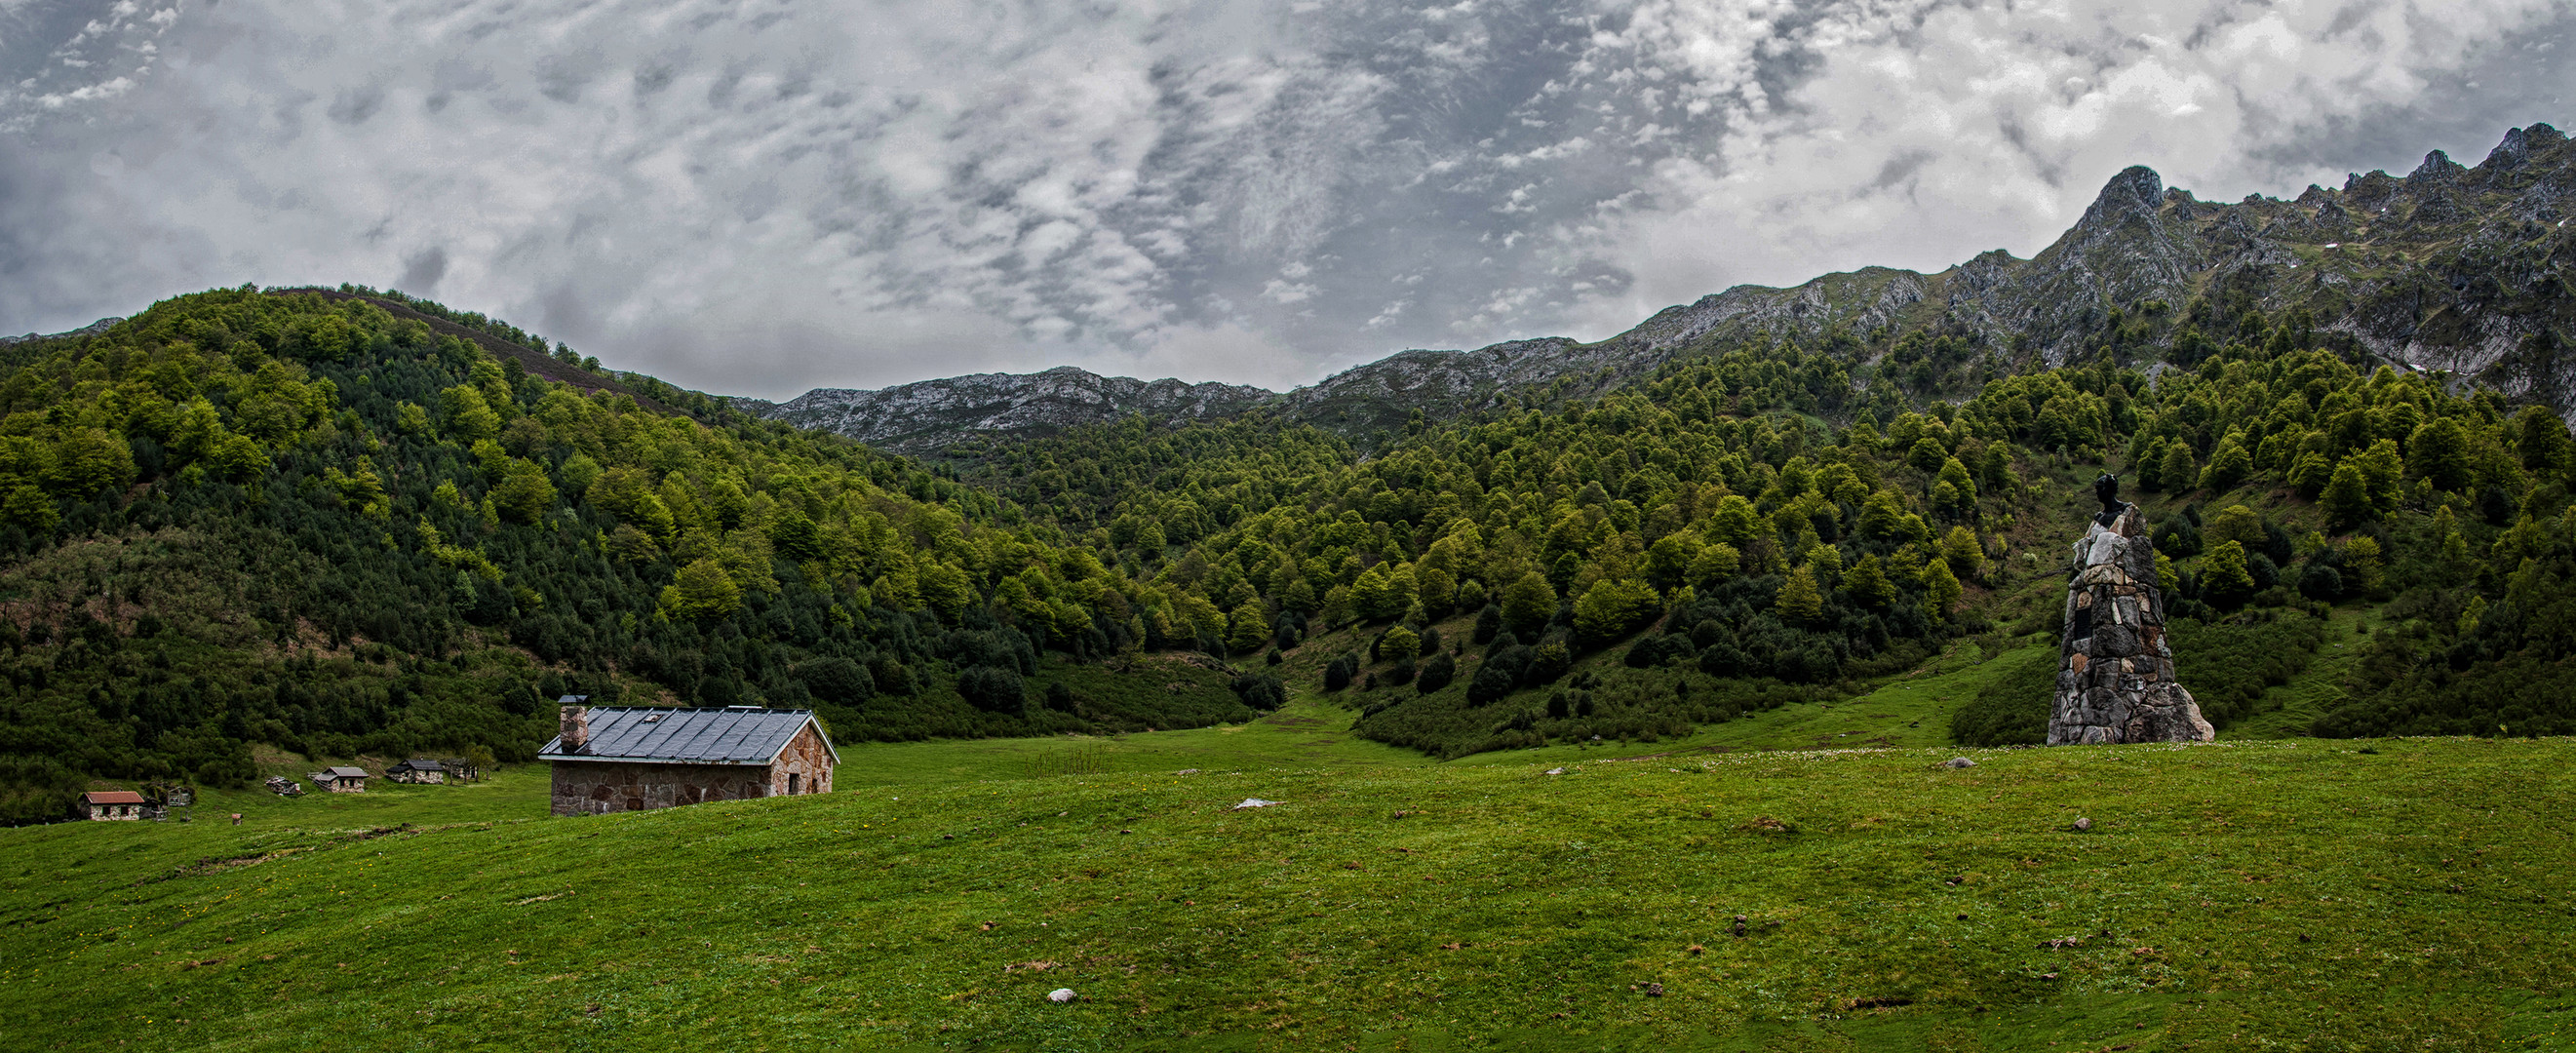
x=1606, y=695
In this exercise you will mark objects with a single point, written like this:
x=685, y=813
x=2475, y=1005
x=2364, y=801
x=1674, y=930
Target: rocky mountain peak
x=2438, y=168
x=2134, y=194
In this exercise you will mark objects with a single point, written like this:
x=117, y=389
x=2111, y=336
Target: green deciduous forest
x=342, y=523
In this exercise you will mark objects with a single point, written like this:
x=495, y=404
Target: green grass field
x=2289, y=894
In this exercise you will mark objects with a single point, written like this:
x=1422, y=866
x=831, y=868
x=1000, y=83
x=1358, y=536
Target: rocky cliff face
x=92, y=329
x=923, y=417
x=2451, y=267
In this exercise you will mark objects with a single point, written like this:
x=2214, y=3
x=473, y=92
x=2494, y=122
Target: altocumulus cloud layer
x=761, y=196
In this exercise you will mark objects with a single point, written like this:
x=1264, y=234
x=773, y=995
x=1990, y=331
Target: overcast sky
x=762, y=196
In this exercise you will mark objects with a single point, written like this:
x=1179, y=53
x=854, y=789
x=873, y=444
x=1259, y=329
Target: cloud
x=757, y=196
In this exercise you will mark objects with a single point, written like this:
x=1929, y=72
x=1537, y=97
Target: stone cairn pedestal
x=2116, y=681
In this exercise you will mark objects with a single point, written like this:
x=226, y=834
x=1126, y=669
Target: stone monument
x=2116, y=681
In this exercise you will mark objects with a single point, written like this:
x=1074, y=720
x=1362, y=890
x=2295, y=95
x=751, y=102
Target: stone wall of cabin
x=594, y=787
x=808, y=758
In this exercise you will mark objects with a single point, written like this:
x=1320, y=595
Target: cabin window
x=791, y=782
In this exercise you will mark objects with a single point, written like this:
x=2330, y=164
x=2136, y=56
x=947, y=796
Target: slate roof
x=742, y=735
x=113, y=797
x=346, y=773
x=417, y=764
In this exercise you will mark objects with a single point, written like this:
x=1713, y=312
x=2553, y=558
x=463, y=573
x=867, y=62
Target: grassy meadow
x=2250, y=894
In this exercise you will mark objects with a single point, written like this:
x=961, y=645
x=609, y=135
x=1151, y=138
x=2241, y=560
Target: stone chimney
x=576, y=728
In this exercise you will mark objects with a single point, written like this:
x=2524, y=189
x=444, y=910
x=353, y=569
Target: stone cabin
x=417, y=770
x=112, y=804
x=341, y=780
x=636, y=758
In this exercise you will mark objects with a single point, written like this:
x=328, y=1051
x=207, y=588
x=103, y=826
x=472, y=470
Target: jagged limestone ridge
x=2451, y=268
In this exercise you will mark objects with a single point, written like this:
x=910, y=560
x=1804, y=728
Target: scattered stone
x=1060, y=995
x=1187, y=771
x=2116, y=681
x=1958, y=762
x=1697, y=949
x=1254, y=802
x=1556, y=771
x=1654, y=990
x=2082, y=823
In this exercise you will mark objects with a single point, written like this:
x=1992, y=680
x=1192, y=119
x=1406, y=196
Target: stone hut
x=417, y=770
x=341, y=780
x=112, y=804
x=2115, y=677
x=636, y=758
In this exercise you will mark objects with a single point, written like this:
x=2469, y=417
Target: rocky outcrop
x=92, y=329
x=931, y=414
x=2116, y=681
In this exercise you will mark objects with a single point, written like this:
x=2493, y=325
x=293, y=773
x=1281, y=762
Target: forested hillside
x=1778, y=557
x=346, y=523
x=245, y=518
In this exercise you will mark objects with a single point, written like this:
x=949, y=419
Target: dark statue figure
x=2106, y=487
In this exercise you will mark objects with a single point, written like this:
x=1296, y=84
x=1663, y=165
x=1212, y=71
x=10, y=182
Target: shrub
x=837, y=680
x=993, y=689
x=1436, y=673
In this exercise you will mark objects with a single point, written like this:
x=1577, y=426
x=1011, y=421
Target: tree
x=1962, y=551
x=30, y=509
x=2228, y=466
x=1715, y=563
x=994, y=689
x=2540, y=437
x=2224, y=576
x=2439, y=451
x=1867, y=583
x=89, y=461
x=1439, y=589
x=1610, y=608
x=467, y=416
x=1941, y=589
x=1798, y=598
x=2236, y=523
x=2176, y=471
x=1436, y=673
x=2383, y=471
x=702, y=590
x=946, y=589
x=1397, y=644
x=837, y=680
x=1956, y=474
x=1529, y=602
x=1927, y=454
x=2309, y=472
x=1668, y=560
x=2361, y=556
x=524, y=496
x=1247, y=628
x=1996, y=467
x=2346, y=499
x=1735, y=522
x=1338, y=672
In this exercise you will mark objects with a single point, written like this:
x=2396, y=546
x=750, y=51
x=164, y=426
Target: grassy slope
x=2298, y=891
